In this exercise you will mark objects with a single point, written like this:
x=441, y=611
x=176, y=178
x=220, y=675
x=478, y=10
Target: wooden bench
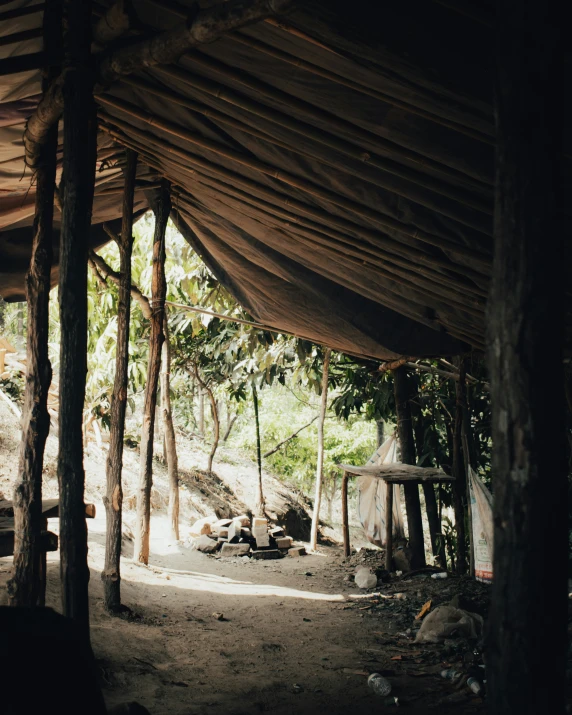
x=49, y=540
x=391, y=474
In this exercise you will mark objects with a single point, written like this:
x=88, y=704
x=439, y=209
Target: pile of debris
x=237, y=537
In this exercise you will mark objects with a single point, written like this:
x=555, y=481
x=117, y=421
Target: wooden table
x=391, y=474
x=49, y=540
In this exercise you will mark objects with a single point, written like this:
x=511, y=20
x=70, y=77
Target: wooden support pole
x=529, y=605
x=405, y=431
x=345, y=517
x=320, y=456
x=389, y=526
x=162, y=209
x=260, y=501
x=27, y=585
x=460, y=483
x=80, y=146
x=169, y=433
x=113, y=500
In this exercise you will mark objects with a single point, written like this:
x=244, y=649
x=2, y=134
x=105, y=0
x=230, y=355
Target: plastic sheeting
x=482, y=518
x=372, y=494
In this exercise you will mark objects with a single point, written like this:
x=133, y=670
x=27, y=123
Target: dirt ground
x=295, y=634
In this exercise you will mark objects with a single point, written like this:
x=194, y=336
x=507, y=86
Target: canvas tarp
x=372, y=494
x=482, y=518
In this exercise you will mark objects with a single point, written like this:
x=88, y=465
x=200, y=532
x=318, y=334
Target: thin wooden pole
x=169, y=433
x=460, y=483
x=27, y=585
x=260, y=501
x=113, y=500
x=411, y=489
x=345, y=518
x=528, y=617
x=389, y=526
x=162, y=209
x=320, y=456
x=79, y=159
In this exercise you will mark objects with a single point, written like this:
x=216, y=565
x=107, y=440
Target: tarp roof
x=333, y=167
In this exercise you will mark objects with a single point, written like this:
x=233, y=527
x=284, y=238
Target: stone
x=233, y=531
x=245, y=533
x=365, y=579
x=221, y=524
x=277, y=532
x=243, y=520
x=202, y=526
x=266, y=554
x=401, y=560
x=284, y=542
x=207, y=545
x=222, y=532
x=262, y=540
x=259, y=521
x=235, y=549
x=297, y=551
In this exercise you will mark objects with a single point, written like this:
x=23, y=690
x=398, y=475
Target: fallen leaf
x=424, y=610
x=397, y=657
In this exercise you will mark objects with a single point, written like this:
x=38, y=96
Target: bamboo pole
x=80, y=148
x=113, y=500
x=260, y=501
x=320, y=456
x=158, y=290
x=27, y=584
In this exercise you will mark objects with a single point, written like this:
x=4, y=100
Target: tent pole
x=529, y=606
x=345, y=519
x=80, y=149
x=388, y=526
x=27, y=585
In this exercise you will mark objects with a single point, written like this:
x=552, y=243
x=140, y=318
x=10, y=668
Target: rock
x=401, y=560
x=365, y=579
x=262, y=540
x=245, y=533
x=234, y=549
x=277, y=532
x=223, y=532
x=259, y=521
x=234, y=530
x=284, y=542
x=207, y=545
x=266, y=554
x=220, y=524
x=202, y=526
x=296, y=551
x=243, y=520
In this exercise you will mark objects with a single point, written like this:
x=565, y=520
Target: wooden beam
x=80, y=145
x=113, y=499
x=345, y=516
x=25, y=587
x=203, y=26
x=320, y=455
x=162, y=210
x=405, y=431
x=22, y=63
x=389, y=527
x=529, y=606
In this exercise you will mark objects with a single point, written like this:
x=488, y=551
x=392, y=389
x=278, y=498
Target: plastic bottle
x=451, y=674
x=379, y=684
x=475, y=686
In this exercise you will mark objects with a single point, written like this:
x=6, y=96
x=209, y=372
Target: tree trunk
x=380, y=424
x=25, y=587
x=529, y=605
x=169, y=434
x=405, y=433
x=158, y=292
x=260, y=501
x=216, y=427
x=459, y=486
x=79, y=157
x=229, y=426
x=320, y=460
x=111, y=575
x=201, y=411
x=437, y=542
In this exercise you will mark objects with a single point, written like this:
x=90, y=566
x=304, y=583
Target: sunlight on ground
x=222, y=585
